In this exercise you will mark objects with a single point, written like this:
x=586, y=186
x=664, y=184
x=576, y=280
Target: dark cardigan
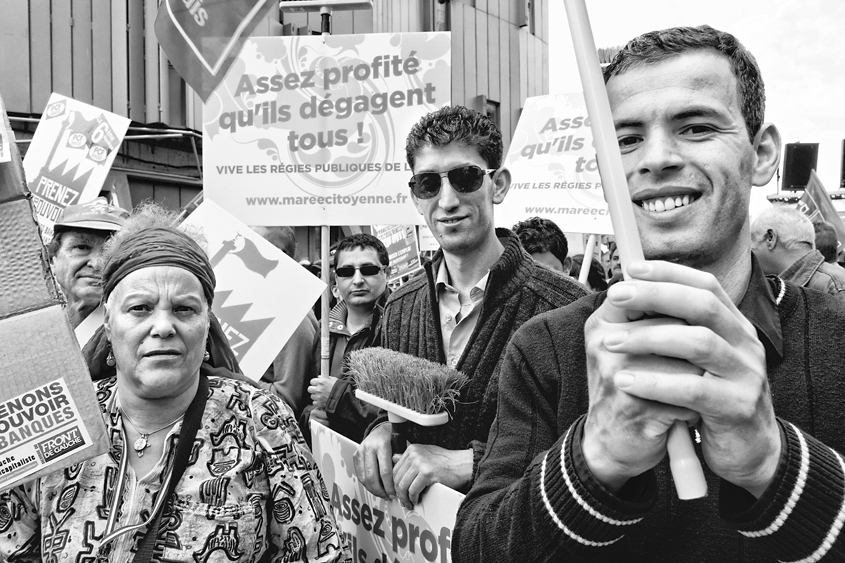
x=518, y=288
x=534, y=498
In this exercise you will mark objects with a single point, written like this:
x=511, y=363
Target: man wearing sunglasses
x=360, y=267
x=752, y=367
x=478, y=289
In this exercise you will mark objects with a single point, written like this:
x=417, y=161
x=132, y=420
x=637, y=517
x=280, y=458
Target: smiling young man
x=576, y=464
x=478, y=289
x=360, y=265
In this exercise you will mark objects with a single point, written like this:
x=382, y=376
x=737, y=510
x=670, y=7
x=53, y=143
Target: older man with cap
x=77, y=244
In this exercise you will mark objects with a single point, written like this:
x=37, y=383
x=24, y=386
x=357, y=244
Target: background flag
x=816, y=204
x=202, y=37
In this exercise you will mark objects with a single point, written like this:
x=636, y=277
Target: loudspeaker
x=799, y=160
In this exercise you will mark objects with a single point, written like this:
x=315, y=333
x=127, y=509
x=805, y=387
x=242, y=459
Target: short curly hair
x=539, y=235
x=657, y=46
x=456, y=124
x=361, y=240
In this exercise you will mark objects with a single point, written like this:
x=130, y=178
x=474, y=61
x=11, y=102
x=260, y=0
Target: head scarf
x=160, y=246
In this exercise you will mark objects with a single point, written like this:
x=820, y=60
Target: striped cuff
x=801, y=514
x=584, y=512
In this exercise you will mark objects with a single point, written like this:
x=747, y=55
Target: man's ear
x=771, y=239
x=567, y=265
x=767, y=143
x=501, y=184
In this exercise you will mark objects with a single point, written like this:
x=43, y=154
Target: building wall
x=104, y=53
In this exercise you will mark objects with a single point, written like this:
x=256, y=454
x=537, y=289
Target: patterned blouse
x=251, y=486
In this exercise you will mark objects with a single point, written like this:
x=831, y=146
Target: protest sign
x=49, y=416
x=554, y=172
x=310, y=130
x=70, y=156
x=262, y=294
x=38, y=427
x=402, y=249
x=376, y=530
x=816, y=204
x=202, y=39
x=426, y=239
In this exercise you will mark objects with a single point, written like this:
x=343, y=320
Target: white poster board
x=554, y=172
x=378, y=530
x=311, y=130
x=69, y=158
x=262, y=294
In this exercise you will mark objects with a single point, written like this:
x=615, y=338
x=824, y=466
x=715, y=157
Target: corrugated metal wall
x=104, y=53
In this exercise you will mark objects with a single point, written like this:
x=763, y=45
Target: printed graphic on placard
x=5, y=148
x=262, y=294
x=38, y=428
x=554, y=172
x=402, y=249
x=377, y=530
x=311, y=130
x=70, y=156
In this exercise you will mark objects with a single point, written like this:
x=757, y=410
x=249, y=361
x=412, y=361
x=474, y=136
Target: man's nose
x=448, y=197
x=659, y=153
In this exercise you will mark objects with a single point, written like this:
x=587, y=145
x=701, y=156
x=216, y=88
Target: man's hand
x=624, y=435
x=320, y=389
x=728, y=387
x=421, y=465
x=319, y=415
x=373, y=463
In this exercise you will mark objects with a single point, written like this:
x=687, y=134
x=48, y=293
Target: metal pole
x=325, y=370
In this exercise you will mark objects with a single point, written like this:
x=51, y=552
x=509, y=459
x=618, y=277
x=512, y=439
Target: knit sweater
x=518, y=288
x=535, y=499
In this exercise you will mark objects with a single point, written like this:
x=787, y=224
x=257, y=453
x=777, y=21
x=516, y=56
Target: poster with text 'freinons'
x=311, y=130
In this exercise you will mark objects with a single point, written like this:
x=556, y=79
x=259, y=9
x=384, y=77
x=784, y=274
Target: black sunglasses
x=349, y=271
x=463, y=179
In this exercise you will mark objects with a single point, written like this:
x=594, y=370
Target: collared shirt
x=89, y=326
x=458, y=317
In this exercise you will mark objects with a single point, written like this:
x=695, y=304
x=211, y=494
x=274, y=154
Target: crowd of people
x=559, y=438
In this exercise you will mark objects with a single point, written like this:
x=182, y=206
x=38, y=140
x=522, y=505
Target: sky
x=800, y=47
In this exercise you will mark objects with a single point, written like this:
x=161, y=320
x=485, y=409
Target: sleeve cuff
x=579, y=505
x=801, y=514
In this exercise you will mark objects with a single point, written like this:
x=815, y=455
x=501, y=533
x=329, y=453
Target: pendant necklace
x=142, y=443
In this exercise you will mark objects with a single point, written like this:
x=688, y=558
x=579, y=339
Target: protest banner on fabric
x=311, y=130
x=202, y=39
x=816, y=204
x=402, y=248
x=262, y=294
x=69, y=158
x=377, y=530
x=554, y=172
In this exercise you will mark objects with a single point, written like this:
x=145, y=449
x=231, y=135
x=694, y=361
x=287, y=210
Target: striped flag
x=816, y=204
x=201, y=38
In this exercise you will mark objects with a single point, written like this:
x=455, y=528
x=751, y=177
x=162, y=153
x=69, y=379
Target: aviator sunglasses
x=349, y=271
x=463, y=179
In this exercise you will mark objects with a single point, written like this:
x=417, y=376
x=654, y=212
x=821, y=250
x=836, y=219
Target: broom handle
x=686, y=469
x=399, y=437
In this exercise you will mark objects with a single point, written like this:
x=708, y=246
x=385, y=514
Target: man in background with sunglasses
x=360, y=265
x=478, y=289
